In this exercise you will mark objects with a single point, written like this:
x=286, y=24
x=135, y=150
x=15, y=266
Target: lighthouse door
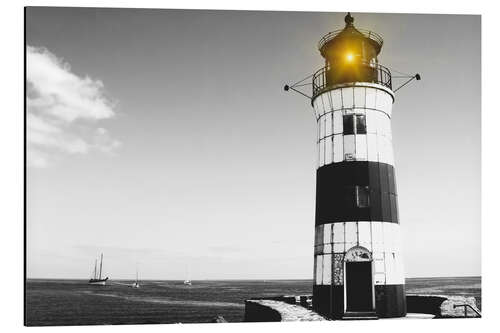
x=359, y=286
x=358, y=280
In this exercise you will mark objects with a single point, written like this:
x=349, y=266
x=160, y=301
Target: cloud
x=63, y=111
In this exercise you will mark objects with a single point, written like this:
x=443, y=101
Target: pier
x=298, y=308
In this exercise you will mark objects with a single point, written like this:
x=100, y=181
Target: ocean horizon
x=51, y=302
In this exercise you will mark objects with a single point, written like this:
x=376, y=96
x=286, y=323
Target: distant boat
x=97, y=278
x=136, y=283
x=187, y=282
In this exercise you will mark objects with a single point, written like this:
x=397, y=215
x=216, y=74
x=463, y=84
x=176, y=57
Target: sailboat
x=187, y=282
x=136, y=283
x=97, y=278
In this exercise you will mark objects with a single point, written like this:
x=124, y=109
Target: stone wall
x=266, y=310
x=297, y=308
x=442, y=306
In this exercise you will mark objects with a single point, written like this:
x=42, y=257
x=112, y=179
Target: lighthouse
x=358, y=262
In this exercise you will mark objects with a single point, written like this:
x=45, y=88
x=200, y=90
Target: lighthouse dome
x=352, y=42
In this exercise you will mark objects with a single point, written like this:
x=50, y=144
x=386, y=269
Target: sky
x=164, y=139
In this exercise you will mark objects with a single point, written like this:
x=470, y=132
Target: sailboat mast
x=95, y=269
x=100, y=268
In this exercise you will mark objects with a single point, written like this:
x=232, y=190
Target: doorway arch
x=359, y=295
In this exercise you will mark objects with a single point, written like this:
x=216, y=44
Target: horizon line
x=239, y=279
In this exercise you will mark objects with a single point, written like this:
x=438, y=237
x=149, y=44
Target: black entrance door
x=359, y=286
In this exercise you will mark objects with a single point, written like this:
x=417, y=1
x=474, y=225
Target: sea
x=74, y=302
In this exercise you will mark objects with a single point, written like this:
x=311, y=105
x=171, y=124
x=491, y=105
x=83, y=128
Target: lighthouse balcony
x=329, y=76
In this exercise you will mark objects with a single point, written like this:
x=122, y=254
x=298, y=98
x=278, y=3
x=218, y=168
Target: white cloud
x=62, y=110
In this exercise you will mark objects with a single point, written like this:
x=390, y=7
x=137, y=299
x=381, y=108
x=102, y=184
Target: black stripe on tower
x=390, y=300
x=356, y=191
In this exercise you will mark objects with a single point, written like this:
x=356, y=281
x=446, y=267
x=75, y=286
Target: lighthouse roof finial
x=348, y=19
x=335, y=39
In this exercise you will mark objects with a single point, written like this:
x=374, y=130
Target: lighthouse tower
x=358, y=264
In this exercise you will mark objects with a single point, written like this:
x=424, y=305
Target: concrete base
x=360, y=316
x=298, y=308
x=417, y=316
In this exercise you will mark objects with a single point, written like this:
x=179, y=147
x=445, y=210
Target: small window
x=360, y=124
x=362, y=196
x=348, y=124
x=357, y=196
x=354, y=124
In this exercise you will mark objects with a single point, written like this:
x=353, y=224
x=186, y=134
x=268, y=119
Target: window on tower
x=348, y=124
x=360, y=124
x=354, y=124
x=357, y=196
x=362, y=196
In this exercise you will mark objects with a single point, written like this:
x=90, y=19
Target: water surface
x=74, y=302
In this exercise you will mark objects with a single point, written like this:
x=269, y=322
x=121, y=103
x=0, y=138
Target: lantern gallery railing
x=368, y=34
x=362, y=72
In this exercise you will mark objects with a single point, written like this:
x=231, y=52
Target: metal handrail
x=367, y=33
x=465, y=306
x=320, y=82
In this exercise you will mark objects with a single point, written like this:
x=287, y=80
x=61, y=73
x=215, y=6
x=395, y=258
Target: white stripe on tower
x=375, y=145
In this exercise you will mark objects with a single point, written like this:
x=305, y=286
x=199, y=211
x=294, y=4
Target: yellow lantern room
x=350, y=56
